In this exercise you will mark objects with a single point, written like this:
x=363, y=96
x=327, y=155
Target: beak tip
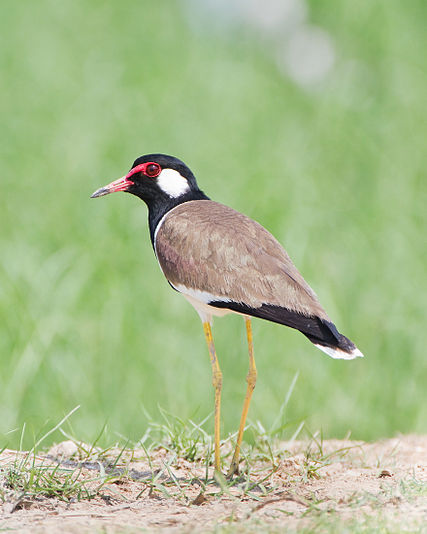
x=99, y=192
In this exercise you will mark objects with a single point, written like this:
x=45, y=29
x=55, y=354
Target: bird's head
x=155, y=177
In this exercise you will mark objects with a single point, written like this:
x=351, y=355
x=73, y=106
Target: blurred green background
x=310, y=117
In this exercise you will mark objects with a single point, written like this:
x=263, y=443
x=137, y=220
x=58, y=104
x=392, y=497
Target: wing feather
x=209, y=247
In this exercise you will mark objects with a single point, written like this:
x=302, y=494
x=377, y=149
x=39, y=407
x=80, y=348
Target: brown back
x=210, y=247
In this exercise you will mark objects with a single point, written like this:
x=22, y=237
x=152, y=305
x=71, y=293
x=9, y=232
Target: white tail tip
x=340, y=354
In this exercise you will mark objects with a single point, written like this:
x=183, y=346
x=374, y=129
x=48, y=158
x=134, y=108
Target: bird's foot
x=233, y=470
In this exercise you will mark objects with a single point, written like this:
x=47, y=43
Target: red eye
x=152, y=170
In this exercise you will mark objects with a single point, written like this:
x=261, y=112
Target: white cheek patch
x=172, y=183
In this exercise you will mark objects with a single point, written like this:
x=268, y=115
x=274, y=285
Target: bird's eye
x=152, y=170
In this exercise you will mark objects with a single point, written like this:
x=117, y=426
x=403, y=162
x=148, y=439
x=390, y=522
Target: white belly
x=200, y=301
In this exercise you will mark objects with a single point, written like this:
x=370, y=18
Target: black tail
x=321, y=332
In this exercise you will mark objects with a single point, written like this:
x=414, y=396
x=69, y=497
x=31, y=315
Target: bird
x=224, y=262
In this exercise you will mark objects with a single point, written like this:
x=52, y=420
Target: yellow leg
x=251, y=380
x=217, y=384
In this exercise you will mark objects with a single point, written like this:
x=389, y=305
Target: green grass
x=337, y=173
x=164, y=467
x=39, y=474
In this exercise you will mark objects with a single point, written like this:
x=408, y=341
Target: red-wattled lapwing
x=222, y=262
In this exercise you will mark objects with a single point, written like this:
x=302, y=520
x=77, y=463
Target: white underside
x=200, y=302
x=339, y=354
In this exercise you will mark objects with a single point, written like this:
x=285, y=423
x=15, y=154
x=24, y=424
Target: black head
x=161, y=181
x=154, y=178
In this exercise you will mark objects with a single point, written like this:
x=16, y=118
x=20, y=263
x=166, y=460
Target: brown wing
x=210, y=247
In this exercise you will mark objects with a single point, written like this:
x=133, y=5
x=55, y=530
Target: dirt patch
x=305, y=485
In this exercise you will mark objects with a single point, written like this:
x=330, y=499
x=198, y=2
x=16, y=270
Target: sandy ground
x=346, y=481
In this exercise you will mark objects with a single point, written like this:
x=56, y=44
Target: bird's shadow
x=240, y=481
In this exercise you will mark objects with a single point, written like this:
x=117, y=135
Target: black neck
x=158, y=207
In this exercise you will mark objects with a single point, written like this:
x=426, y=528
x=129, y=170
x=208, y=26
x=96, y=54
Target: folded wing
x=208, y=247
